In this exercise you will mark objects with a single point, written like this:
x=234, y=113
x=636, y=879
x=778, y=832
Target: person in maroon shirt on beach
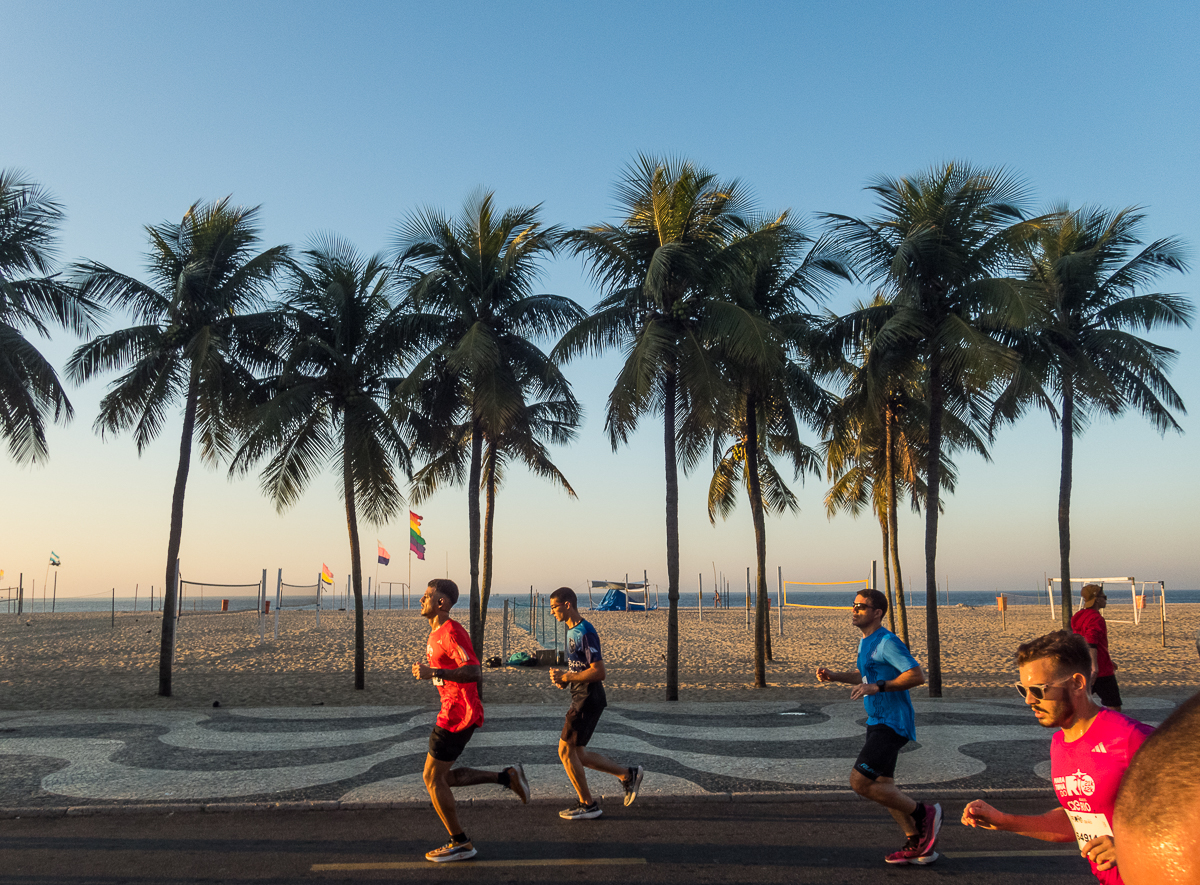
x=1090, y=624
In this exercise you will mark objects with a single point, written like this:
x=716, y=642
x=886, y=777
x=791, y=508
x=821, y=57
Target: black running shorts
x=1106, y=688
x=446, y=745
x=583, y=716
x=879, y=753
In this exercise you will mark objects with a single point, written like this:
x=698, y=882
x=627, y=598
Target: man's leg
x=596, y=762
x=437, y=782
x=884, y=791
x=569, y=754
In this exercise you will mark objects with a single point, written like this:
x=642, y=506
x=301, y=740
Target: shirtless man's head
x=1157, y=821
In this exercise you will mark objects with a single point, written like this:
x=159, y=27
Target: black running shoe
x=632, y=783
x=451, y=851
x=581, y=811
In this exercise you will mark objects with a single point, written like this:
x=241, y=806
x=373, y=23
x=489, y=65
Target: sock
x=919, y=816
x=504, y=779
x=459, y=837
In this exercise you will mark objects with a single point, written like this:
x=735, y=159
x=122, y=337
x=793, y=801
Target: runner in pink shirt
x=1088, y=755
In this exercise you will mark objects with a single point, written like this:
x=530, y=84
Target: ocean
x=211, y=602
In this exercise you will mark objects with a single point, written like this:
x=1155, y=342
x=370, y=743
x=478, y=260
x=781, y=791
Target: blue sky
x=346, y=117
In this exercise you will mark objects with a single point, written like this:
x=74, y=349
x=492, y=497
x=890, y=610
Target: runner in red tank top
x=454, y=669
x=1088, y=755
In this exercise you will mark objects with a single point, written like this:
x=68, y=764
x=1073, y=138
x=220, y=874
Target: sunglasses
x=861, y=607
x=1039, y=691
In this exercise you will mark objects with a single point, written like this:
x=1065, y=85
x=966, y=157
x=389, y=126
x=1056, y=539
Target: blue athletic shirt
x=583, y=647
x=883, y=656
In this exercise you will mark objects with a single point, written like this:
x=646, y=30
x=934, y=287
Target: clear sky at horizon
x=344, y=118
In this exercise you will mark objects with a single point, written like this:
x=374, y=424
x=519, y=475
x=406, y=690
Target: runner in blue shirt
x=585, y=678
x=884, y=673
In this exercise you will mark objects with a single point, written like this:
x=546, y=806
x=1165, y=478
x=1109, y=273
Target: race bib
x=1088, y=826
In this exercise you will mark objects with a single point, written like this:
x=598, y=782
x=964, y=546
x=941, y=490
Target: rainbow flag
x=326, y=574
x=384, y=556
x=416, y=543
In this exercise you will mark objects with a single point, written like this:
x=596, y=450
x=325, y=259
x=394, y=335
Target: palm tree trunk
x=933, y=480
x=473, y=532
x=360, y=658
x=672, y=471
x=489, y=520
x=166, y=649
x=894, y=527
x=887, y=573
x=1064, y=498
x=761, y=623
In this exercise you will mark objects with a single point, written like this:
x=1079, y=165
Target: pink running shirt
x=1088, y=771
x=450, y=648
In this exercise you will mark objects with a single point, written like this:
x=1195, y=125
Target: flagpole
x=408, y=589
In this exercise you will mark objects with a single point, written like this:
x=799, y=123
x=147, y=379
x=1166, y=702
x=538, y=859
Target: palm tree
x=524, y=441
x=473, y=278
x=196, y=339
x=942, y=244
x=655, y=270
x=31, y=297
x=1081, y=354
x=874, y=450
x=764, y=330
x=345, y=336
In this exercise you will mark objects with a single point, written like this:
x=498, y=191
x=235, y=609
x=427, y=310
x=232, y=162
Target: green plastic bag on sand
x=521, y=659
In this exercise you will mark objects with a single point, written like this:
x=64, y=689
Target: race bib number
x=1088, y=826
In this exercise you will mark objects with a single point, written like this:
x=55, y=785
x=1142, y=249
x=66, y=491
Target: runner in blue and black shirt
x=884, y=673
x=585, y=678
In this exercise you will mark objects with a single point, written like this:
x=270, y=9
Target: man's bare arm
x=465, y=673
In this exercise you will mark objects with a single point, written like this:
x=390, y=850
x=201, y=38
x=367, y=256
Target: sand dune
x=81, y=661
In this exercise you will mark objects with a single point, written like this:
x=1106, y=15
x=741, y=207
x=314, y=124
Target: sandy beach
x=83, y=661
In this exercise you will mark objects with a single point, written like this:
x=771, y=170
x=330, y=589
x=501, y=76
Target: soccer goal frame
x=1133, y=594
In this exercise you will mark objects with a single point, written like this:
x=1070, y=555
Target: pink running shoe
x=911, y=853
x=930, y=827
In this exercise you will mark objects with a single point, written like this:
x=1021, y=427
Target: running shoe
x=930, y=827
x=581, y=811
x=451, y=851
x=632, y=782
x=911, y=853
x=518, y=783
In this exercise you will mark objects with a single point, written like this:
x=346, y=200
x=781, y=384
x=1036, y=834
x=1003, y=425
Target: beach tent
x=620, y=596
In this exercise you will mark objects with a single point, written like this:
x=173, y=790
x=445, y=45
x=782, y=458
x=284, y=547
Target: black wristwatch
x=881, y=685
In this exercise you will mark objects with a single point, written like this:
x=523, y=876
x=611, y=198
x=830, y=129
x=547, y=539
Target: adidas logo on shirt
x=1099, y=748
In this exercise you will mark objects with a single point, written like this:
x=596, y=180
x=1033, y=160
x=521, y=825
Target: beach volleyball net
x=800, y=587
x=199, y=596
x=298, y=596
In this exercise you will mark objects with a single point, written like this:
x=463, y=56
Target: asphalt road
x=669, y=842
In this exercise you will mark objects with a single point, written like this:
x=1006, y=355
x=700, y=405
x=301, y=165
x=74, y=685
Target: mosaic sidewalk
x=374, y=755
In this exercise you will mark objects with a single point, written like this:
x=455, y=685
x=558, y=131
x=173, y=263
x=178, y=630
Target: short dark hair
x=565, y=594
x=1154, y=798
x=1068, y=650
x=878, y=600
x=447, y=588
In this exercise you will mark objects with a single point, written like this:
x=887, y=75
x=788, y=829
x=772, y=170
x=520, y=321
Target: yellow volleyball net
x=798, y=589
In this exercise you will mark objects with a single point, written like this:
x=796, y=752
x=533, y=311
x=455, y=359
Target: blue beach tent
x=619, y=596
